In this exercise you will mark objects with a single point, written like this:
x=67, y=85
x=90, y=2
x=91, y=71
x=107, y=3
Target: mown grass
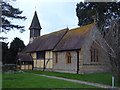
x=28, y=80
x=102, y=78
x=0, y=81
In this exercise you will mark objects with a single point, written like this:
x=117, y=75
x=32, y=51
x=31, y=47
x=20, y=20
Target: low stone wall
x=41, y=69
x=9, y=67
x=65, y=71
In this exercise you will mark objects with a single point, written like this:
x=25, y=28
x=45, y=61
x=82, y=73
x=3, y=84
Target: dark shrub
x=9, y=67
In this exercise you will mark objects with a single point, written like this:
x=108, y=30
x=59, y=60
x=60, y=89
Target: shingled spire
x=35, y=27
x=35, y=23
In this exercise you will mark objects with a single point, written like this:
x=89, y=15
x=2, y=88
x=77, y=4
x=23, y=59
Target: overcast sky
x=53, y=16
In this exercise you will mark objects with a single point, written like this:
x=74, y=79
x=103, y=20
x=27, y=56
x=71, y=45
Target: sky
x=53, y=15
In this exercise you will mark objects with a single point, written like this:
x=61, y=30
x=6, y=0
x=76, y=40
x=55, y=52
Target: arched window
x=68, y=57
x=95, y=52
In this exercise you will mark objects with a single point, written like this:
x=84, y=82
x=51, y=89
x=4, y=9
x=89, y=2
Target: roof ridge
x=53, y=32
x=82, y=26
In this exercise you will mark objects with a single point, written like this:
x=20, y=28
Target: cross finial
x=67, y=26
x=35, y=8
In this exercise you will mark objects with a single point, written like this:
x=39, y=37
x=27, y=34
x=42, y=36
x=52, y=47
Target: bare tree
x=111, y=37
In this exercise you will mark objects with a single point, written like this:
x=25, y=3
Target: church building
x=76, y=50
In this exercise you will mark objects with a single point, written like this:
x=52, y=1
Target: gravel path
x=77, y=81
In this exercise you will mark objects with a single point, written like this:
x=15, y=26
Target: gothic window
x=94, y=52
x=56, y=58
x=40, y=55
x=68, y=57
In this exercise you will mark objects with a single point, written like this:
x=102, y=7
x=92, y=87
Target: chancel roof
x=74, y=38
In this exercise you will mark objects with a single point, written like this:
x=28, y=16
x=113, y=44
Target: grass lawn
x=27, y=80
x=0, y=81
x=103, y=78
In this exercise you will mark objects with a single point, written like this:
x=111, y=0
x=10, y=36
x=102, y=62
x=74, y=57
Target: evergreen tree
x=9, y=54
x=4, y=52
x=8, y=11
x=103, y=11
x=16, y=46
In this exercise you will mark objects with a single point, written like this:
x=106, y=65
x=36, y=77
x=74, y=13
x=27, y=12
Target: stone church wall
x=85, y=64
x=62, y=66
x=92, y=67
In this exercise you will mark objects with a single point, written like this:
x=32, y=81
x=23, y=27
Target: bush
x=9, y=67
